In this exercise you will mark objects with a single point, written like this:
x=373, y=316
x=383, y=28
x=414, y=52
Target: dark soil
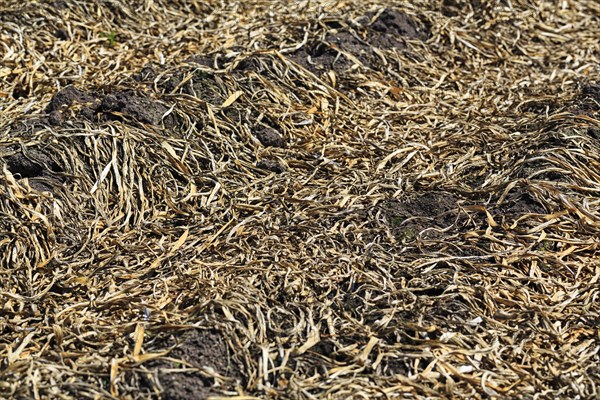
x=252, y=63
x=185, y=386
x=271, y=165
x=396, y=366
x=588, y=101
x=71, y=97
x=594, y=133
x=428, y=210
x=350, y=43
x=391, y=27
x=61, y=34
x=114, y=105
x=203, y=85
x=119, y=104
x=541, y=170
x=36, y=165
x=206, y=60
x=148, y=73
x=200, y=349
x=452, y=8
x=320, y=57
x=30, y=164
x=519, y=202
x=269, y=137
x=592, y=91
x=385, y=30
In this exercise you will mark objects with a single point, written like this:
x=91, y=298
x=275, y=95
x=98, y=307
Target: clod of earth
x=269, y=137
x=271, y=165
x=114, y=105
x=390, y=27
x=387, y=29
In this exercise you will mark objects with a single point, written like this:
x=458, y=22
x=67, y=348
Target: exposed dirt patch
x=61, y=34
x=390, y=27
x=207, y=60
x=396, y=366
x=519, y=202
x=203, y=85
x=594, y=133
x=325, y=348
x=541, y=169
x=427, y=210
x=197, y=349
x=148, y=73
x=31, y=163
x=252, y=63
x=71, y=99
x=72, y=103
x=204, y=349
x=349, y=42
x=320, y=57
x=36, y=165
x=588, y=101
x=185, y=386
x=342, y=46
x=592, y=91
x=452, y=8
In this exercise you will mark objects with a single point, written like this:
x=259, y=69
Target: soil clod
x=114, y=105
x=269, y=137
x=119, y=104
x=391, y=26
x=271, y=165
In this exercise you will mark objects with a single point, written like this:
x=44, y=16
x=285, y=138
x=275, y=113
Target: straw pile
x=299, y=200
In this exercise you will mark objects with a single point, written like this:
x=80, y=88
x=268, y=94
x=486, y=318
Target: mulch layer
x=300, y=199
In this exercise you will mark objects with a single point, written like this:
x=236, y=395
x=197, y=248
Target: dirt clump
x=126, y=103
x=343, y=46
x=72, y=103
x=269, y=137
x=271, y=165
x=35, y=165
x=391, y=27
x=71, y=98
x=31, y=163
x=349, y=42
x=202, y=85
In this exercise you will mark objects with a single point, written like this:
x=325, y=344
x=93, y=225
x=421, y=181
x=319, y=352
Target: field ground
x=300, y=199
